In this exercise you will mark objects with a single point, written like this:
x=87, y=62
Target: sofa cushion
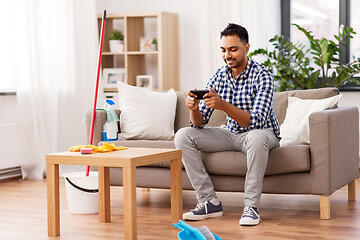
x=281, y=98
x=295, y=128
x=146, y=114
x=289, y=159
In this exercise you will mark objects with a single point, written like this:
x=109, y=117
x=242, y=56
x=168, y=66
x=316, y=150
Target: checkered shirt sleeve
x=262, y=104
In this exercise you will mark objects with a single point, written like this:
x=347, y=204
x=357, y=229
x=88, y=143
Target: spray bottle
x=110, y=132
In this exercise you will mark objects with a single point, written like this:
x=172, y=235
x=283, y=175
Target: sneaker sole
x=202, y=217
x=249, y=223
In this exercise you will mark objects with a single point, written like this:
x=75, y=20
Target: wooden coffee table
x=127, y=159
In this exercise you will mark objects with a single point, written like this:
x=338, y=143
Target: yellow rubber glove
x=77, y=148
x=101, y=149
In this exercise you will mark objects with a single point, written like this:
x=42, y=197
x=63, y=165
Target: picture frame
x=145, y=44
x=145, y=81
x=112, y=75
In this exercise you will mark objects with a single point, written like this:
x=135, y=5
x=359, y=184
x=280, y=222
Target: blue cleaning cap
x=110, y=102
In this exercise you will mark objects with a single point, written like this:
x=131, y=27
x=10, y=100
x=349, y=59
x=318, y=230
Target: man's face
x=234, y=51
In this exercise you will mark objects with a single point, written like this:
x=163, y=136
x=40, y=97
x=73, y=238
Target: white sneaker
x=250, y=216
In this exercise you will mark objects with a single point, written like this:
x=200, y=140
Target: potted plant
x=116, y=39
x=154, y=44
x=298, y=66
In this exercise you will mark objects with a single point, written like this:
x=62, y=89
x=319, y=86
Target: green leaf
x=258, y=52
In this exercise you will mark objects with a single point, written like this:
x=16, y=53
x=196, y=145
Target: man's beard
x=237, y=63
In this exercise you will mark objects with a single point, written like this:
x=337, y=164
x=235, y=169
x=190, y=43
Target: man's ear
x=247, y=47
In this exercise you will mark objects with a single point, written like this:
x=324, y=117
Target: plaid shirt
x=252, y=91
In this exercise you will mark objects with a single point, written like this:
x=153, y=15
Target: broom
x=96, y=85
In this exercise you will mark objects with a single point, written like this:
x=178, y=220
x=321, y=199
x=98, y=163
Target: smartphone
x=199, y=93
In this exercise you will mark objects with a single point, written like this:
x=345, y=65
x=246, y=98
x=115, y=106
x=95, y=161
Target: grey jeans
x=256, y=144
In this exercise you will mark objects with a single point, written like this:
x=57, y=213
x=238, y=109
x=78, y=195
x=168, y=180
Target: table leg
x=129, y=182
x=176, y=190
x=104, y=194
x=53, y=202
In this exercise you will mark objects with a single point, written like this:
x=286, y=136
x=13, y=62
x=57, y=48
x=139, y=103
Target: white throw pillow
x=295, y=128
x=146, y=114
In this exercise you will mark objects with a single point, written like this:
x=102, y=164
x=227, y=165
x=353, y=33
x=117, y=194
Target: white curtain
x=261, y=18
x=54, y=48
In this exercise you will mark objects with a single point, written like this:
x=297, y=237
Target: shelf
x=162, y=65
x=130, y=14
x=142, y=53
x=131, y=53
x=113, y=53
x=110, y=89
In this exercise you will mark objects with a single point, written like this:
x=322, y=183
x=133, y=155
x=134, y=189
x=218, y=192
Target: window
x=355, y=23
x=324, y=18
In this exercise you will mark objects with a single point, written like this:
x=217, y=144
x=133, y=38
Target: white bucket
x=82, y=192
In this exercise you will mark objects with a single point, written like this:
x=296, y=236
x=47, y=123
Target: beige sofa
x=330, y=162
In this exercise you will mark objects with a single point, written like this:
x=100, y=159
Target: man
x=243, y=89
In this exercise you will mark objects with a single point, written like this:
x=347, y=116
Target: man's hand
x=213, y=100
x=191, y=102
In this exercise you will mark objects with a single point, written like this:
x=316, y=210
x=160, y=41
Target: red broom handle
x=96, y=85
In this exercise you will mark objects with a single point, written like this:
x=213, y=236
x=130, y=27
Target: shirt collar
x=246, y=71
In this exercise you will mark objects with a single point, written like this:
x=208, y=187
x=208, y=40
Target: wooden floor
x=23, y=216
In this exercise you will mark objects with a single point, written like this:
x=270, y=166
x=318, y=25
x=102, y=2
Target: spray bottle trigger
x=110, y=102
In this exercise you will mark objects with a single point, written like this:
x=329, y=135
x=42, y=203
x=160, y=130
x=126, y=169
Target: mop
x=87, y=150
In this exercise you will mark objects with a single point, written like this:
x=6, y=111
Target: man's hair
x=234, y=29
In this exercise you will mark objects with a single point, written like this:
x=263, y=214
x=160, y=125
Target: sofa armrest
x=100, y=119
x=334, y=146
